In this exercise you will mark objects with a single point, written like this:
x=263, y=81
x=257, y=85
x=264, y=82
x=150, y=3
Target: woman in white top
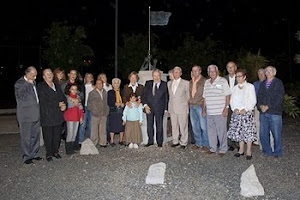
x=106, y=85
x=242, y=124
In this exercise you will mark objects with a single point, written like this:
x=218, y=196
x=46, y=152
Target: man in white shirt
x=216, y=96
x=231, y=79
x=179, y=108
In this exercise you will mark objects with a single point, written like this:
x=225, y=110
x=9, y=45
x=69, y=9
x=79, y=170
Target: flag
x=159, y=18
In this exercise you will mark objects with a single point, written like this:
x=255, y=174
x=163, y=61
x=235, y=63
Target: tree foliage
x=290, y=106
x=297, y=56
x=251, y=63
x=193, y=51
x=65, y=46
x=133, y=52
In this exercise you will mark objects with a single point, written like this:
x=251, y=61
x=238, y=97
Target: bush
x=290, y=106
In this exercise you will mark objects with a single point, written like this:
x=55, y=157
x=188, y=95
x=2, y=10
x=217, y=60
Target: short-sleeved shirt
x=215, y=95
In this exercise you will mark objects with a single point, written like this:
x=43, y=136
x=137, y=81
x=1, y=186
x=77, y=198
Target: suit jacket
x=159, y=102
x=227, y=78
x=179, y=102
x=128, y=90
x=28, y=109
x=51, y=115
x=97, y=105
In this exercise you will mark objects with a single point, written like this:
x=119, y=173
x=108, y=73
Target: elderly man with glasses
x=269, y=102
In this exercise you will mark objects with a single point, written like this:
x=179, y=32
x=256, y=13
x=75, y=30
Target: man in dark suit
x=231, y=79
x=28, y=115
x=155, y=100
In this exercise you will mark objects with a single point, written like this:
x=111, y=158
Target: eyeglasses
x=239, y=76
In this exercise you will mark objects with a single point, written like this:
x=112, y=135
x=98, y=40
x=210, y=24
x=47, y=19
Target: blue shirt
x=256, y=86
x=133, y=114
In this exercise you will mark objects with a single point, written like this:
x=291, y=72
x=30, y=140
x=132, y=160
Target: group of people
x=219, y=110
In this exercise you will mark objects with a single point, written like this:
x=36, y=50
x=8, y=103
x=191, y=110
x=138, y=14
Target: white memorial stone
x=250, y=185
x=88, y=148
x=156, y=173
x=143, y=77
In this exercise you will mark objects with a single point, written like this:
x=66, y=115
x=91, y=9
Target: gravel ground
x=119, y=173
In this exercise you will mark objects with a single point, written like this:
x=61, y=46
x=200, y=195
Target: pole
x=116, y=40
x=149, y=42
x=289, y=47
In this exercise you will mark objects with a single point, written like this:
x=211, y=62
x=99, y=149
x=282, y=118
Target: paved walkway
x=8, y=124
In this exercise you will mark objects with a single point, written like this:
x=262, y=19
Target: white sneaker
x=135, y=146
x=130, y=146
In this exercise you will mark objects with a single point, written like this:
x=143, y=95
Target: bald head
x=31, y=73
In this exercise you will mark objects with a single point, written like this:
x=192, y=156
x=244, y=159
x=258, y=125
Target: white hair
x=179, y=68
x=210, y=66
x=116, y=79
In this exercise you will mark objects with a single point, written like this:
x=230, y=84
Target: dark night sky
x=252, y=24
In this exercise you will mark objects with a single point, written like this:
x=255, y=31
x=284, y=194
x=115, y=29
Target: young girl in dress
x=132, y=119
x=73, y=116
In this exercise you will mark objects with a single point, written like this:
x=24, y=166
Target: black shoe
x=159, y=145
x=49, y=159
x=182, y=146
x=249, y=157
x=103, y=146
x=175, y=145
x=57, y=156
x=231, y=148
x=29, y=161
x=76, y=147
x=112, y=144
x=149, y=144
x=121, y=143
x=238, y=154
x=38, y=158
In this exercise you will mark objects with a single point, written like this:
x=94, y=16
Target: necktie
x=155, y=89
x=36, y=95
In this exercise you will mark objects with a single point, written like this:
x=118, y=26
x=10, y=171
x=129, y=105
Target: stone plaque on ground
x=88, y=148
x=156, y=173
x=250, y=185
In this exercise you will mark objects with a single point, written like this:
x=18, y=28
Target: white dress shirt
x=231, y=82
x=175, y=85
x=133, y=86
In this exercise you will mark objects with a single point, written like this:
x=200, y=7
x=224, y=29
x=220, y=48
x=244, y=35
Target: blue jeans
x=85, y=126
x=199, y=126
x=273, y=123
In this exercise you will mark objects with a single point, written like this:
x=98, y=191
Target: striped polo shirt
x=215, y=95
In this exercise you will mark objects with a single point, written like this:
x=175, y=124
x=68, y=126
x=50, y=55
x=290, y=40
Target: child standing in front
x=73, y=116
x=132, y=119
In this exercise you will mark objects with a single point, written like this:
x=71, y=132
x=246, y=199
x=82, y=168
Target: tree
x=297, y=56
x=65, y=47
x=192, y=51
x=251, y=63
x=133, y=52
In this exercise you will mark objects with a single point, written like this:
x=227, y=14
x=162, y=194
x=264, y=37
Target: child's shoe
x=130, y=146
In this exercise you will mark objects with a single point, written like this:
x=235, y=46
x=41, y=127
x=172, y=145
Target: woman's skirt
x=242, y=127
x=132, y=132
x=115, y=122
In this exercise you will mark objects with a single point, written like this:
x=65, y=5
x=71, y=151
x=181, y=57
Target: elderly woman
x=52, y=104
x=132, y=87
x=116, y=106
x=242, y=123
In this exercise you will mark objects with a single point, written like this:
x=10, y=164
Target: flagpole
x=149, y=42
x=116, y=40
